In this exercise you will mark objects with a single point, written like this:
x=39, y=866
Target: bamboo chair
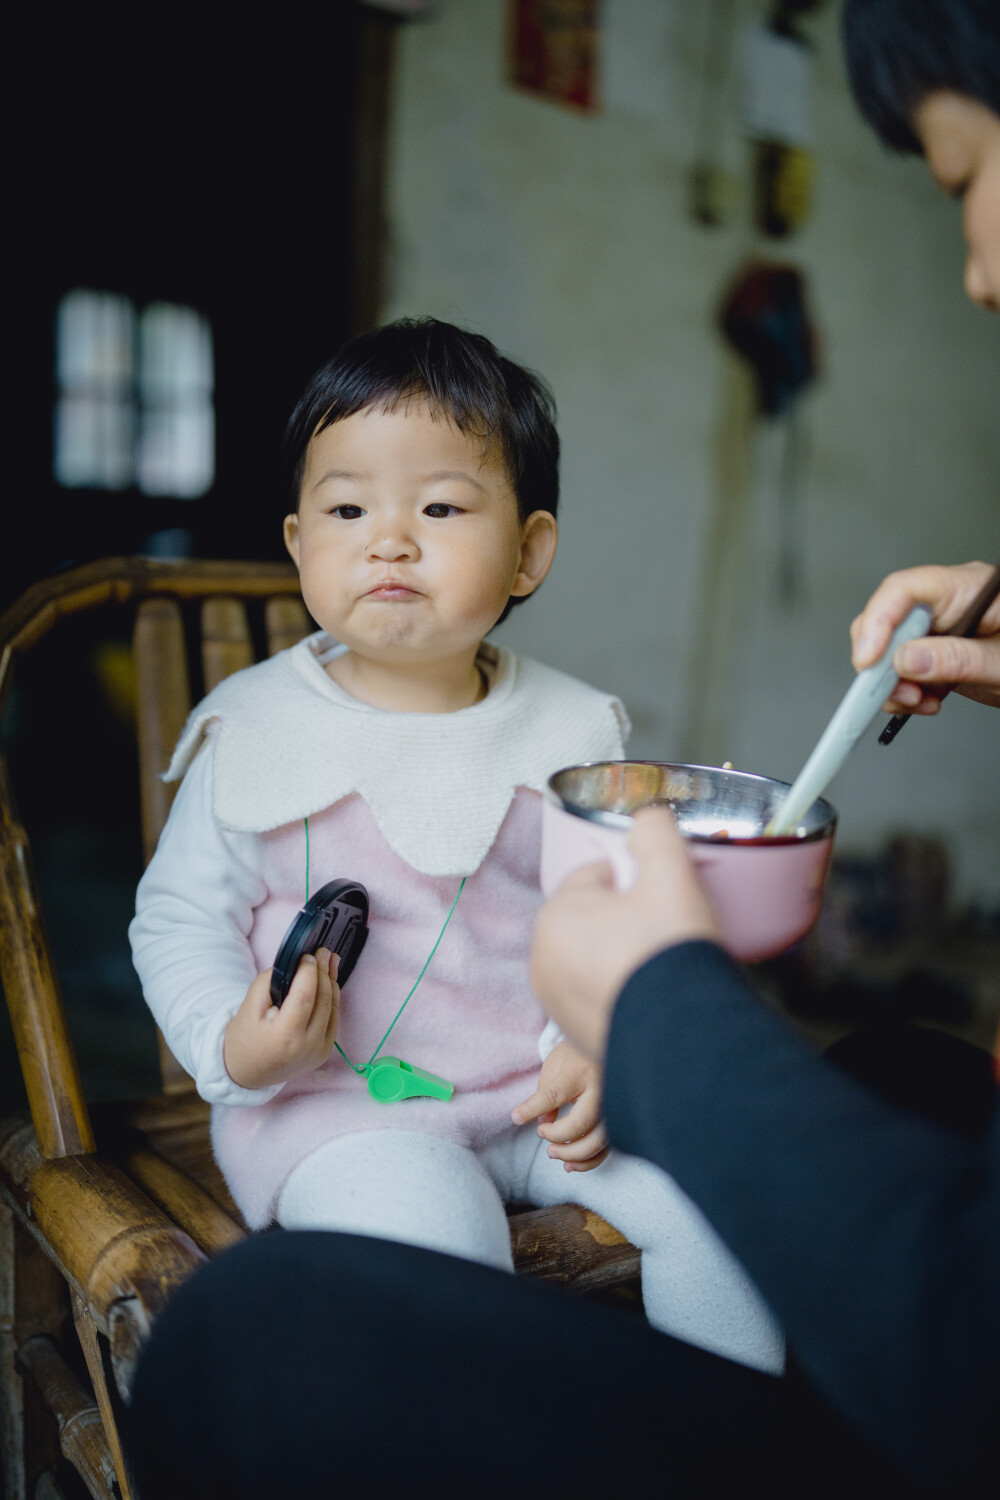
x=104, y=1211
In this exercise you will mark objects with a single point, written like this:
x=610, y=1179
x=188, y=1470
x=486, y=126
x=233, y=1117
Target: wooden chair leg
x=11, y=1385
x=95, y=1365
x=81, y=1430
x=33, y=1301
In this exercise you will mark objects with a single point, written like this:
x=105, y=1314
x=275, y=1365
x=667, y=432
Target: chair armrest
x=117, y=1249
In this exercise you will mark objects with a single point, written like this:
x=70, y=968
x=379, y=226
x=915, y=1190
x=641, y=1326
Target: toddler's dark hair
x=462, y=375
x=899, y=51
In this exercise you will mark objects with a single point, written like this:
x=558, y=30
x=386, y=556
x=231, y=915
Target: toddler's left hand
x=579, y=1139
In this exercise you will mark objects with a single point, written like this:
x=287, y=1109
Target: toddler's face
x=407, y=540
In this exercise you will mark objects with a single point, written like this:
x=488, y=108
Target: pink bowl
x=767, y=891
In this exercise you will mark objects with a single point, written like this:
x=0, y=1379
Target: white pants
x=422, y=1190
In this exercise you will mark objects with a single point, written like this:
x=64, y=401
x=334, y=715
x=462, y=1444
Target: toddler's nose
x=392, y=547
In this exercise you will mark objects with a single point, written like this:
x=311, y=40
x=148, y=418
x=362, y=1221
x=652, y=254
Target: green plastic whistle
x=390, y=1078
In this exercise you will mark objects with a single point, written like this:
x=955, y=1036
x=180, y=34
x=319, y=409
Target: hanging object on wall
x=783, y=180
x=777, y=116
x=714, y=190
x=552, y=49
x=765, y=317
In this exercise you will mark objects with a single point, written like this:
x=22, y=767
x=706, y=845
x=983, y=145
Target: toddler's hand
x=579, y=1139
x=267, y=1044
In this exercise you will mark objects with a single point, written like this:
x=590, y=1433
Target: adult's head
x=926, y=76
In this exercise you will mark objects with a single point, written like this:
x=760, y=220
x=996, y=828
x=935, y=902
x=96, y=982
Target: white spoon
x=858, y=708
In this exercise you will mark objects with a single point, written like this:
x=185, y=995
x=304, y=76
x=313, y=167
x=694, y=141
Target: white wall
x=566, y=239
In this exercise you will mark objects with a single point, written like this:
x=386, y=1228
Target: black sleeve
x=874, y=1236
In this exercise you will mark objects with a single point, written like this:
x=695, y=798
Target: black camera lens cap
x=335, y=918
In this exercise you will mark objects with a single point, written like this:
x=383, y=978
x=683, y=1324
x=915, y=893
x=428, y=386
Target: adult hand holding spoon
x=960, y=601
x=944, y=660
x=855, y=712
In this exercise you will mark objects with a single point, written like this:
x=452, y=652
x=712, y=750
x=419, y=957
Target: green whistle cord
x=363, y=1068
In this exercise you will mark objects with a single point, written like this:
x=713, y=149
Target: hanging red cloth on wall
x=552, y=49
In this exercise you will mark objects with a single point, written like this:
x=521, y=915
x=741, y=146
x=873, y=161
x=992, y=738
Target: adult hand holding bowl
x=590, y=937
x=766, y=891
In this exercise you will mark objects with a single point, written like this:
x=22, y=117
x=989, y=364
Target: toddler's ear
x=539, y=539
x=291, y=534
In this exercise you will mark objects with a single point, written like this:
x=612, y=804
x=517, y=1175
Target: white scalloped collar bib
x=290, y=742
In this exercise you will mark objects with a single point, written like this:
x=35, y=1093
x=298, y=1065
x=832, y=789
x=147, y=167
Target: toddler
x=395, y=747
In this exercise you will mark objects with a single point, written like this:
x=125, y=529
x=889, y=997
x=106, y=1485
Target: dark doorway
x=232, y=166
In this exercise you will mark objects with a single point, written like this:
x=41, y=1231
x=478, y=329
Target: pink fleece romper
x=474, y=1019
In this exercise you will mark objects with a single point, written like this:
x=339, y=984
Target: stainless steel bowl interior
x=708, y=803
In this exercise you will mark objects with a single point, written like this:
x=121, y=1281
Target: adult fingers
x=891, y=603
x=667, y=877
x=905, y=696
x=912, y=700
x=950, y=660
x=659, y=848
x=654, y=838
x=947, y=590
x=596, y=877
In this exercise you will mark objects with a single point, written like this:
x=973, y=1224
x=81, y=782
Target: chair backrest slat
x=286, y=622
x=164, y=701
x=225, y=640
x=163, y=705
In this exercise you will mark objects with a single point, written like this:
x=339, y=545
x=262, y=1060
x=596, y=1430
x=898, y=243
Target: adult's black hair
x=462, y=376
x=899, y=51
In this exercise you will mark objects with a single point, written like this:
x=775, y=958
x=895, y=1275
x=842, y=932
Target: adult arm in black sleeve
x=874, y=1235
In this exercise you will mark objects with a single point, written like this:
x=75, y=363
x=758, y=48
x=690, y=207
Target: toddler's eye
x=347, y=512
x=437, y=510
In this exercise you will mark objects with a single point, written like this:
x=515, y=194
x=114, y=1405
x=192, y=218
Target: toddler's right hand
x=267, y=1044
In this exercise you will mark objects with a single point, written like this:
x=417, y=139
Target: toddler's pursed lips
x=392, y=588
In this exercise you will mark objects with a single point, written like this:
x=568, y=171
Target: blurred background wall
x=568, y=238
